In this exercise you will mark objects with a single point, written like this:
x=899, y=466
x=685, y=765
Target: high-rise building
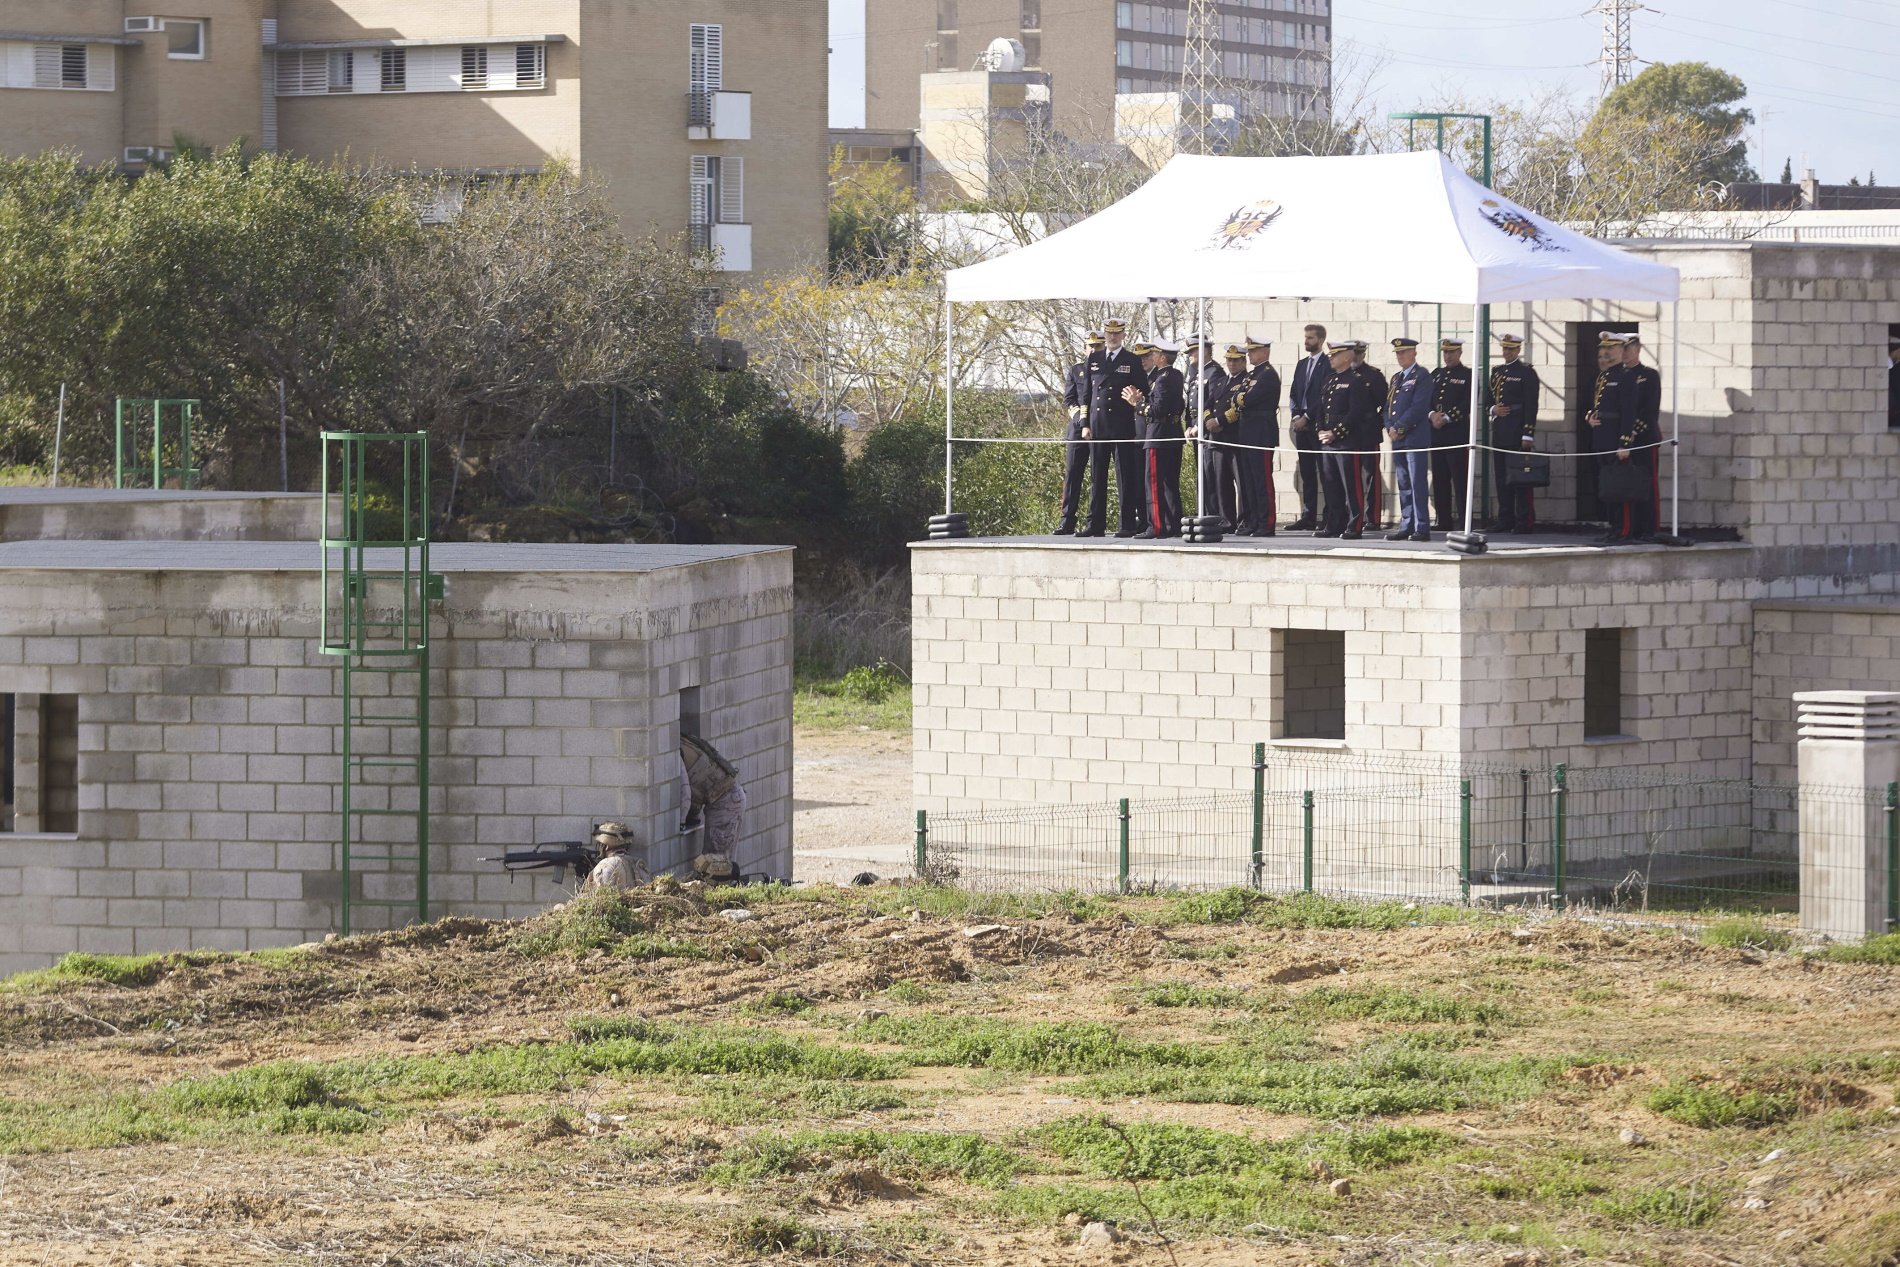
x=703, y=117
x=1274, y=55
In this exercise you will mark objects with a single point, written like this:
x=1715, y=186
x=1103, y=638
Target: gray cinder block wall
x=107, y=514
x=208, y=728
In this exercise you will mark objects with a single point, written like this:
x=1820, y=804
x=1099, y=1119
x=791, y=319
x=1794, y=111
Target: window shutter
x=700, y=211
x=302, y=74
x=708, y=63
x=732, y=191
x=395, y=69
x=531, y=65
x=99, y=63
x=474, y=67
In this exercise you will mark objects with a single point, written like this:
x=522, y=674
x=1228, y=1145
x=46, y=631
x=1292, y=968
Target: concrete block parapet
x=1849, y=753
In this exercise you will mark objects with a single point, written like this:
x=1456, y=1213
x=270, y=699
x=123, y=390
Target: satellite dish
x=1003, y=54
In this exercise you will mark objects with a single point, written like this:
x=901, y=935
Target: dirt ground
x=851, y=809
x=890, y=1075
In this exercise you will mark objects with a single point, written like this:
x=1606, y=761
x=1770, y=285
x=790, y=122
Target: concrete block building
x=1075, y=672
x=173, y=759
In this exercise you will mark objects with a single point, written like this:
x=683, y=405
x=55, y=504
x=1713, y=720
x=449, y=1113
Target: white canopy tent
x=1403, y=227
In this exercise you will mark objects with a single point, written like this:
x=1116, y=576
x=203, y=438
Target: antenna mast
x=1614, y=63
x=1200, y=77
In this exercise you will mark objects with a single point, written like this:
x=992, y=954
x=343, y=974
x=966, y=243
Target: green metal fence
x=1635, y=840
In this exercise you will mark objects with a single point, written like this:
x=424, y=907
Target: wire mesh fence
x=1635, y=841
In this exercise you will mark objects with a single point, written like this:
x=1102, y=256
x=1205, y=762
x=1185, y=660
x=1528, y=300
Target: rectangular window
x=531, y=65
x=6, y=762
x=946, y=50
x=1603, y=683
x=1032, y=15
x=185, y=39
x=1125, y=15
x=1893, y=377
x=59, y=763
x=707, y=61
x=341, y=72
x=946, y=15
x=689, y=706
x=474, y=67
x=1032, y=48
x=1312, y=683
x=717, y=191
x=395, y=69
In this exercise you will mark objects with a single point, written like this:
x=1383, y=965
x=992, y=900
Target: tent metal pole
x=1675, y=418
x=1200, y=408
x=949, y=393
x=1477, y=455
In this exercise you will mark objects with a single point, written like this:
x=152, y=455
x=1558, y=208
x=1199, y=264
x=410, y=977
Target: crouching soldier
x=710, y=794
x=621, y=866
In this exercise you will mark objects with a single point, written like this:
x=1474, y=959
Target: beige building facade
x=1275, y=52
x=704, y=117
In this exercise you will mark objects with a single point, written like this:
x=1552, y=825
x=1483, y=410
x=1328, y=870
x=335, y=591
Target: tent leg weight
x=950, y=527
x=1467, y=542
x=1201, y=529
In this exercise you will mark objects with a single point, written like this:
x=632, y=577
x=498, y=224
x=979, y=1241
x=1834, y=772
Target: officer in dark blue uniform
x=1375, y=486
x=1451, y=425
x=1631, y=414
x=1160, y=409
x=1511, y=404
x=1075, y=454
x=1341, y=428
x=1256, y=413
x=1111, y=368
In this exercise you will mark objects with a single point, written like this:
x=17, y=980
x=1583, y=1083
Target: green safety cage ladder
x=132, y=416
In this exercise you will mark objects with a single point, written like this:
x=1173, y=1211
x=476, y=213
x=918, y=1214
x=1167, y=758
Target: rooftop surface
x=60, y=496
x=1500, y=545
x=304, y=556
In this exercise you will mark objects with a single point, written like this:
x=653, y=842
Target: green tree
x=1699, y=94
x=1787, y=170
x=872, y=222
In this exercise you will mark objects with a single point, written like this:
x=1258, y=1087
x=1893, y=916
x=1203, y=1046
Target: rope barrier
x=1275, y=448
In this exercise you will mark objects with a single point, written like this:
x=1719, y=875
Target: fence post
x=1306, y=841
x=1464, y=840
x=923, y=844
x=1121, y=861
x=1259, y=809
x=1893, y=857
x=1559, y=793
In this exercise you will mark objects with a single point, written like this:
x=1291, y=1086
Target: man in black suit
x=1111, y=417
x=1303, y=401
x=1075, y=454
x=1893, y=383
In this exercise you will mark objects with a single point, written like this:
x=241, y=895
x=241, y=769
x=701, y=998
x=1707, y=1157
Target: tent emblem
x=1245, y=224
x=1520, y=226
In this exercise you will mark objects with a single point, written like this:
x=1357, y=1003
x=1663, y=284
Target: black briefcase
x=1527, y=470
x=1622, y=482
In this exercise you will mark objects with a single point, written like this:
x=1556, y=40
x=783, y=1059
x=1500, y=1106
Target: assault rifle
x=558, y=854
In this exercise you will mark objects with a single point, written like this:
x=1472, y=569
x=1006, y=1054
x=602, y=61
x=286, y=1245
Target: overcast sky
x=1823, y=76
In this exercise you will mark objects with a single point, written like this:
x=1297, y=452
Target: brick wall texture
x=208, y=729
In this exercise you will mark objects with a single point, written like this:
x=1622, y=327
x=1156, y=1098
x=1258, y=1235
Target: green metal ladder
x=377, y=588
x=128, y=416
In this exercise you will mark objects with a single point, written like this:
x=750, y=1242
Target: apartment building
x=1272, y=53
x=702, y=116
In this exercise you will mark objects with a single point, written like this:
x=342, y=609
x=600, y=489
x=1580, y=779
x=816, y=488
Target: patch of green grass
x=910, y=1154
x=1392, y=1003
x=1226, y=950
x=1673, y=1206
x=909, y=992
x=598, y=919
x=1304, y=910
x=1884, y=949
x=777, y=1003
x=1048, y=1047
x=951, y=903
x=1708, y=1104
x=1187, y=994
x=128, y=971
x=868, y=699
x=1747, y=934
x=1530, y=963
x=1173, y=1150
x=737, y=1101
x=1565, y=1177
x=775, y=1233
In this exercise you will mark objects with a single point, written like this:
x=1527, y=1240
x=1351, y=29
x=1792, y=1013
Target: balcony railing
x=699, y=108
x=699, y=239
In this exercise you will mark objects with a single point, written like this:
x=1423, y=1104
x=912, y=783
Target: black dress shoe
x=1240, y=531
x=1147, y=535
x=1421, y=536
x=1089, y=532
x=1301, y=525
x=1325, y=533
x=1351, y=536
x=1124, y=533
x=1398, y=536
x=1263, y=532
x=1065, y=531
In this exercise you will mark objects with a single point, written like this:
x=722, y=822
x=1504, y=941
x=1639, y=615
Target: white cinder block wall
x=209, y=728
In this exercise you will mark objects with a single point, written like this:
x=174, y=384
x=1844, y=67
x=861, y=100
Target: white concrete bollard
x=1850, y=743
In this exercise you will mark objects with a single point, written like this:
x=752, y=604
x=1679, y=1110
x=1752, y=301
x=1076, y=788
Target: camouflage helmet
x=613, y=837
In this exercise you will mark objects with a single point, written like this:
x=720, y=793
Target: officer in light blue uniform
x=1408, y=425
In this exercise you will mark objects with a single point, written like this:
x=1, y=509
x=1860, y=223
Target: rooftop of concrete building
x=304, y=556
x=60, y=496
x=1498, y=545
